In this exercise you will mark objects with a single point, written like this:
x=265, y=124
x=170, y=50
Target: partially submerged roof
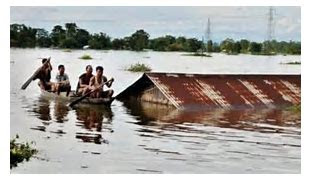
x=215, y=90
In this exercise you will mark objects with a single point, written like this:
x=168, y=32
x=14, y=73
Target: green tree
x=57, y=35
x=43, y=38
x=68, y=42
x=237, y=47
x=209, y=46
x=118, y=44
x=71, y=29
x=216, y=47
x=255, y=48
x=244, y=45
x=139, y=40
x=268, y=47
x=22, y=36
x=100, y=41
x=293, y=48
x=181, y=40
x=74, y=37
x=227, y=46
x=193, y=45
x=160, y=44
x=82, y=37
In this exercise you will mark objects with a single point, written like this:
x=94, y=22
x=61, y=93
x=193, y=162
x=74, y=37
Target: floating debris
x=20, y=151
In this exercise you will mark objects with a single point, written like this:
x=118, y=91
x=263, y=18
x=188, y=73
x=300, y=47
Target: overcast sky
x=234, y=22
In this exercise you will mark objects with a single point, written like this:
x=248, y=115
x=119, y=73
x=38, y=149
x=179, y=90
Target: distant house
x=86, y=47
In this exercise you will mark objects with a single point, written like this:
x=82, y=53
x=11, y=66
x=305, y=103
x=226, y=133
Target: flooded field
x=147, y=138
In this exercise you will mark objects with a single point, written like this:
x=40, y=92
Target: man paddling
x=97, y=80
x=44, y=75
x=84, y=81
x=62, y=81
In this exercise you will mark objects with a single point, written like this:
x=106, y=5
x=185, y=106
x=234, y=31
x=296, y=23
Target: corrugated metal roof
x=224, y=91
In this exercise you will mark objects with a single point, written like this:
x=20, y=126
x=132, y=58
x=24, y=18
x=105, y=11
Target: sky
x=237, y=22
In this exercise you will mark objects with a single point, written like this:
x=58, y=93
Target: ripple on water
x=141, y=139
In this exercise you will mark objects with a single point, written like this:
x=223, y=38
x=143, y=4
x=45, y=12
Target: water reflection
x=60, y=111
x=206, y=150
x=263, y=120
x=92, y=120
x=42, y=109
x=95, y=120
x=202, y=137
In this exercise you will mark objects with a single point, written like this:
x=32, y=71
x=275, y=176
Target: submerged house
x=192, y=91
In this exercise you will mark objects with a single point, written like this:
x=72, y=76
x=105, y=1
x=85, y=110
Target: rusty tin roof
x=224, y=91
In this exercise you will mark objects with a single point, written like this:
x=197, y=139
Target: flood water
x=136, y=137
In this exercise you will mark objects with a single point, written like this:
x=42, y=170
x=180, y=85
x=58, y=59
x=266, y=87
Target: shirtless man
x=84, y=81
x=45, y=76
x=95, y=84
x=62, y=81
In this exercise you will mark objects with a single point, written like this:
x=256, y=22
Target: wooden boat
x=73, y=96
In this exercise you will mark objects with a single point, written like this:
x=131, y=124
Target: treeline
x=265, y=48
x=72, y=37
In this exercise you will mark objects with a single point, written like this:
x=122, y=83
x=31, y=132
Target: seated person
x=84, y=81
x=96, y=84
x=45, y=76
x=62, y=83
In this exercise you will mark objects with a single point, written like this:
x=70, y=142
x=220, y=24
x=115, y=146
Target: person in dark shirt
x=45, y=76
x=84, y=81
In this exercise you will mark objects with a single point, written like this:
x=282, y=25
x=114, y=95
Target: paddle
x=87, y=94
x=25, y=85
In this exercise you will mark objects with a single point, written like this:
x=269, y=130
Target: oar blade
x=26, y=84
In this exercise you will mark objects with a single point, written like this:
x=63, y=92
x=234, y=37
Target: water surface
x=146, y=138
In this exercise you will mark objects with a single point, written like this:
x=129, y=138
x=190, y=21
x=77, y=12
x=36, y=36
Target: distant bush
x=66, y=50
x=294, y=62
x=197, y=54
x=139, y=68
x=86, y=57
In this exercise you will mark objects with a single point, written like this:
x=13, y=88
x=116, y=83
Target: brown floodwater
x=132, y=137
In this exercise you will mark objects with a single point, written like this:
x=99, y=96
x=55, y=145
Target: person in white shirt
x=62, y=83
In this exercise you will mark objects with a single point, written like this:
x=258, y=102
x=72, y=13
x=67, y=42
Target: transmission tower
x=208, y=33
x=271, y=24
